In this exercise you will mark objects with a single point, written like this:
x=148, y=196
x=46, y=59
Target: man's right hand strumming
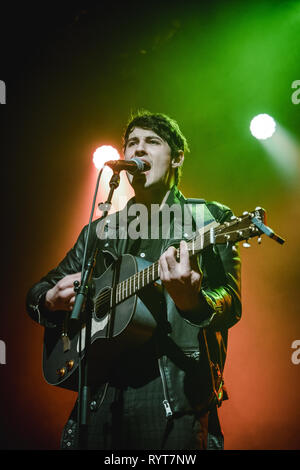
x=62, y=295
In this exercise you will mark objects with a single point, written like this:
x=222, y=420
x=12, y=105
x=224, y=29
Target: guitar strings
x=198, y=243
x=104, y=297
x=135, y=280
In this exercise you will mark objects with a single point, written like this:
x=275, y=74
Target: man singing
x=163, y=393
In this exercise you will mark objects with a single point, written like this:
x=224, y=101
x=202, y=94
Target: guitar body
x=114, y=329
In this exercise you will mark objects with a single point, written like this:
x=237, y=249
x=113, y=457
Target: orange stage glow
x=259, y=373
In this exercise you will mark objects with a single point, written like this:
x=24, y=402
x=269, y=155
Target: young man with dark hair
x=163, y=393
x=165, y=127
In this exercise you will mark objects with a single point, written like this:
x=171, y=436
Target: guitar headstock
x=244, y=227
x=241, y=228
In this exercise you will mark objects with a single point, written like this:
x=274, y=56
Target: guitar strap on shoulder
x=201, y=215
x=191, y=200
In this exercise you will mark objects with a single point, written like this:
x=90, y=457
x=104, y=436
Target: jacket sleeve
x=35, y=300
x=220, y=295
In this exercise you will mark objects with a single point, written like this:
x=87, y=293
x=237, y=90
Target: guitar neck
x=133, y=284
x=236, y=229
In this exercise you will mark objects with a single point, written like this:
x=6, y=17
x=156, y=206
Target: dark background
x=73, y=75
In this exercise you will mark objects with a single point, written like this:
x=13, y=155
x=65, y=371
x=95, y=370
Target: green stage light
x=262, y=126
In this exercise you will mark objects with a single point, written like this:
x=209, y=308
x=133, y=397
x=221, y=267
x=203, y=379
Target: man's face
x=148, y=146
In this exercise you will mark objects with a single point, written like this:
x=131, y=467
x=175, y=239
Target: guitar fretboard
x=133, y=284
x=237, y=229
x=150, y=274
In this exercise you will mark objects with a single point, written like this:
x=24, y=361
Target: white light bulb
x=262, y=126
x=103, y=154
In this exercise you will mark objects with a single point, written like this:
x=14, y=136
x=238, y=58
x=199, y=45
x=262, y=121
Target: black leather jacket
x=191, y=352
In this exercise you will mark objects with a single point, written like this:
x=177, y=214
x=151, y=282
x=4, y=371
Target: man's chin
x=141, y=181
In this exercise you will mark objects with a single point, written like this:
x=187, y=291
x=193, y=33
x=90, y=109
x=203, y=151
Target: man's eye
x=154, y=142
x=130, y=144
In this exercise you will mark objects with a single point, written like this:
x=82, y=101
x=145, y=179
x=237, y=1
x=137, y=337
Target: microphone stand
x=82, y=313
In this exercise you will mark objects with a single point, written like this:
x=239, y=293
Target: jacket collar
x=173, y=196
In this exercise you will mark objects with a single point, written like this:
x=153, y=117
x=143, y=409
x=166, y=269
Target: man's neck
x=148, y=197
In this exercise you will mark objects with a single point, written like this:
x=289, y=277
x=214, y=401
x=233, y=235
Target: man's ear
x=178, y=160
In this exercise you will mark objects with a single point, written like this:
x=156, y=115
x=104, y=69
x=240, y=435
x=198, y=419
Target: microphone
x=133, y=166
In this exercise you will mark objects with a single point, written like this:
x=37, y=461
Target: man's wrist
x=189, y=304
x=201, y=311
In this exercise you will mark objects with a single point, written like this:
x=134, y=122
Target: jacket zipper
x=166, y=402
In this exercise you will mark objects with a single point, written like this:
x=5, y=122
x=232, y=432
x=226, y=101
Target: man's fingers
x=167, y=263
x=195, y=265
x=188, y=263
x=170, y=257
x=163, y=269
x=66, y=294
x=68, y=281
x=58, y=298
x=71, y=302
x=170, y=266
x=184, y=256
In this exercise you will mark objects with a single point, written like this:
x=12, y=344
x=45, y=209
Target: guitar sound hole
x=102, y=303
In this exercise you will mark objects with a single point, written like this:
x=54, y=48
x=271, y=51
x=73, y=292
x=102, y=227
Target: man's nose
x=140, y=150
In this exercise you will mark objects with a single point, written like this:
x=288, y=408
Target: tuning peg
x=259, y=240
x=245, y=213
x=234, y=248
x=246, y=244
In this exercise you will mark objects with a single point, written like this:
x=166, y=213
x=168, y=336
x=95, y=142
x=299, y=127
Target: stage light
x=104, y=154
x=262, y=127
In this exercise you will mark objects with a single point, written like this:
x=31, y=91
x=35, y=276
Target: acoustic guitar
x=121, y=314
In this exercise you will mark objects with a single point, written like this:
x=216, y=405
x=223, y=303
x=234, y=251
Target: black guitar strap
x=207, y=216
